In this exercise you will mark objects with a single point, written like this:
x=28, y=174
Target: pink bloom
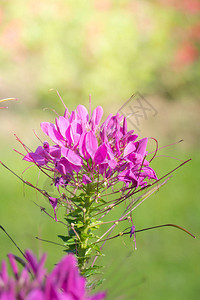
x=33, y=282
x=83, y=149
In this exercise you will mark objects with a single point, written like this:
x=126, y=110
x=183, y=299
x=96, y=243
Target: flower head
x=88, y=159
x=83, y=149
x=64, y=282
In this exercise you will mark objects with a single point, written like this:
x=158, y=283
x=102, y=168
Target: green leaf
x=96, y=248
x=92, y=271
x=71, y=241
x=63, y=237
x=79, y=224
x=94, y=284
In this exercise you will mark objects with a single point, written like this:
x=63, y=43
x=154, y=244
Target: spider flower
x=33, y=282
x=83, y=150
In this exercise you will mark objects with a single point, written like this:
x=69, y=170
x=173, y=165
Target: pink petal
x=55, y=136
x=70, y=280
x=124, y=126
x=82, y=149
x=3, y=272
x=141, y=146
x=82, y=113
x=33, y=264
x=62, y=124
x=54, y=203
x=71, y=156
x=148, y=172
x=130, y=147
x=76, y=131
x=13, y=264
x=69, y=135
x=45, y=127
x=112, y=163
x=55, y=151
x=86, y=179
x=73, y=116
x=132, y=137
x=39, y=151
x=96, y=116
x=99, y=296
x=66, y=114
x=100, y=154
x=35, y=158
x=91, y=143
x=35, y=294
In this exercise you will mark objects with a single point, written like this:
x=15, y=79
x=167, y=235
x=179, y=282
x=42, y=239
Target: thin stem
x=44, y=193
x=44, y=210
x=124, y=198
x=166, y=146
x=12, y=241
x=165, y=225
x=144, y=229
x=108, y=222
x=51, y=242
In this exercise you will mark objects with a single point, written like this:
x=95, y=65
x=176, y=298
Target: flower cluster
x=87, y=159
x=83, y=150
x=64, y=282
x=91, y=161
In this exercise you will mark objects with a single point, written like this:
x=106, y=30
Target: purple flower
x=33, y=282
x=84, y=148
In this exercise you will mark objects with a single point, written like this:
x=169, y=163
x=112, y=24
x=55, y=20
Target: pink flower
x=33, y=282
x=83, y=149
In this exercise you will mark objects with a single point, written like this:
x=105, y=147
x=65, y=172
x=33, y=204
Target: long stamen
x=90, y=103
x=167, y=146
x=59, y=97
x=155, y=152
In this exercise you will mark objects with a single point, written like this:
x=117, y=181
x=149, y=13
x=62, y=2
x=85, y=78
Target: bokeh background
x=110, y=49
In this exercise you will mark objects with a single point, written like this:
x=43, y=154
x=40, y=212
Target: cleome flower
x=83, y=150
x=91, y=161
x=101, y=166
x=64, y=282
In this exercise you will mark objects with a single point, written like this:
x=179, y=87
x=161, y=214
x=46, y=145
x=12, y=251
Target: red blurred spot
x=186, y=55
x=186, y=6
x=11, y=34
x=195, y=32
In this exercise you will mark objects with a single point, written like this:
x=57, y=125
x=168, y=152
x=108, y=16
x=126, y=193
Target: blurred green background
x=109, y=49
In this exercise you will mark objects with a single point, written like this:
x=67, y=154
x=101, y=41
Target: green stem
x=84, y=231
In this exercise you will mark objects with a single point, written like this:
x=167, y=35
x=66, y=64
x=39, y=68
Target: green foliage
x=166, y=262
x=81, y=47
x=92, y=271
x=113, y=49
